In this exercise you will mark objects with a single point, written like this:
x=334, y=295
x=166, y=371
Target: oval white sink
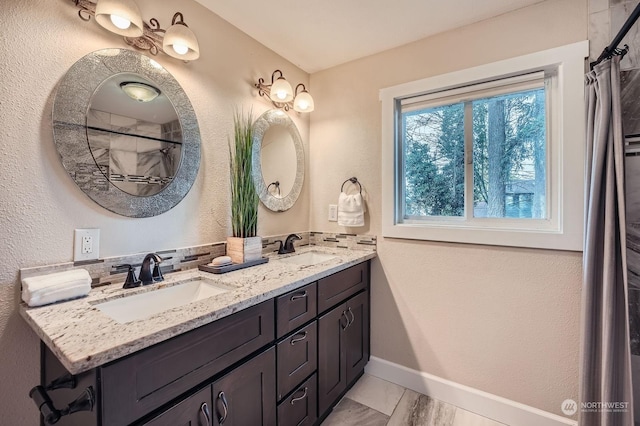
x=144, y=305
x=309, y=258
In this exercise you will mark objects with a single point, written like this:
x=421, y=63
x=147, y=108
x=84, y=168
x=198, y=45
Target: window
x=488, y=155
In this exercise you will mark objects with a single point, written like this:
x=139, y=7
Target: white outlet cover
x=78, y=255
x=333, y=212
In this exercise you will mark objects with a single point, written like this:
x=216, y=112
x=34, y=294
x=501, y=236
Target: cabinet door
x=332, y=360
x=247, y=395
x=192, y=411
x=357, y=335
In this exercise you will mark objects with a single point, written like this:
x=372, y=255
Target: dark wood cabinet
x=357, y=335
x=297, y=358
x=295, y=308
x=144, y=381
x=343, y=348
x=338, y=287
x=301, y=407
x=193, y=411
x=283, y=362
x=332, y=357
x=247, y=395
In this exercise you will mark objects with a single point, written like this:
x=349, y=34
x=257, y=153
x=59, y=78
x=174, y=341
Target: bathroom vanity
x=280, y=348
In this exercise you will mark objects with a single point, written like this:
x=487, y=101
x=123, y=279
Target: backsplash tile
x=348, y=241
x=111, y=270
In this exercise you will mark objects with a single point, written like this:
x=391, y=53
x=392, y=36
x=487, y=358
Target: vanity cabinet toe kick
x=286, y=361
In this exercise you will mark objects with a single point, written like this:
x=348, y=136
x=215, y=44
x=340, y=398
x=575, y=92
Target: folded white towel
x=55, y=287
x=351, y=209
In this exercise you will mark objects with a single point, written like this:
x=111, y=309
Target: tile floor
x=375, y=402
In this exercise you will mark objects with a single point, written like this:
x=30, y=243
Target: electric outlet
x=86, y=245
x=333, y=212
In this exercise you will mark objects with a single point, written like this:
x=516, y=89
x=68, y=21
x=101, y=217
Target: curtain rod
x=612, y=49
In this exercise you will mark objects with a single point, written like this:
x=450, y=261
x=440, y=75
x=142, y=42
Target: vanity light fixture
x=123, y=17
x=282, y=95
x=179, y=41
x=140, y=92
x=120, y=17
x=303, y=101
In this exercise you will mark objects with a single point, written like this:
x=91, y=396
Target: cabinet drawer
x=193, y=411
x=295, y=308
x=336, y=288
x=297, y=358
x=142, y=382
x=301, y=408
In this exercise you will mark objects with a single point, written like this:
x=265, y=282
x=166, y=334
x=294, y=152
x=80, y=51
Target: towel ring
x=353, y=180
x=276, y=184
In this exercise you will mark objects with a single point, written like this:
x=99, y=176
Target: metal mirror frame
x=260, y=126
x=70, y=106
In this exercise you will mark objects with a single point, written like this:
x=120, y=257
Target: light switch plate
x=333, y=212
x=86, y=244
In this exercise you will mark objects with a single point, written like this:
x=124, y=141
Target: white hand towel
x=55, y=287
x=351, y=210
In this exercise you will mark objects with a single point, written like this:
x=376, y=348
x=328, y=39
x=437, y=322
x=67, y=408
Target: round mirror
x=126, y=132
x=278, y=160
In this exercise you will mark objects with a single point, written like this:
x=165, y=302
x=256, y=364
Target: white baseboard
x=482, y=403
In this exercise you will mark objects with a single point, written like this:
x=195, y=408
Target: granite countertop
x=82, y=337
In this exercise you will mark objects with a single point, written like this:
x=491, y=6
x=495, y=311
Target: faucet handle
x=157, y=273
x=131, y=280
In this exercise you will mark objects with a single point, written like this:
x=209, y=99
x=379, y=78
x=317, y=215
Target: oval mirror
x=126, y=132
x=278, y=160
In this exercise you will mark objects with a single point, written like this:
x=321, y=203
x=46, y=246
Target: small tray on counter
x=233, y=266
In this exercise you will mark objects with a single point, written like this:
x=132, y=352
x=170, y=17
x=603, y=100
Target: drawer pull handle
x=299, y=339
x=304, y=395
x=299, y=296
x=353, y=317
x=204, y=409
x=225, y=406
x=344, y=327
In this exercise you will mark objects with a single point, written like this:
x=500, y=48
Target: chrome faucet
x=146, y=276
x=288, y=247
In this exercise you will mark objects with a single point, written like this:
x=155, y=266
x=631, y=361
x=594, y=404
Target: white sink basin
x=144, y=305
x=307, y=259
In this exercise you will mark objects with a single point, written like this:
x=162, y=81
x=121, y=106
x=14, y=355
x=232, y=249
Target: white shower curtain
x=605, y=374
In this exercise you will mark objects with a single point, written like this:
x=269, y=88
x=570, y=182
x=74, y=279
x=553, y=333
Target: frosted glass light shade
x=120, y=17
x=281, y=91
x=139, y=91
x=181, y=43
x=303, y=102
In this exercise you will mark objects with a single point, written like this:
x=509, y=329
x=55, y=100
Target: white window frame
x=563, y=229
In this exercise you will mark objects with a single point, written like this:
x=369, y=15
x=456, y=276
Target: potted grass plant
x=244, y=246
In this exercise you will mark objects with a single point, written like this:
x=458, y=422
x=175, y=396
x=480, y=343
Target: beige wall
x=39, y=204
x=502, y=320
